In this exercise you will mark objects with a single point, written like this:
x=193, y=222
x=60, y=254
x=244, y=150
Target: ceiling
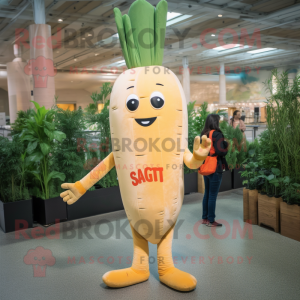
x=274, y=23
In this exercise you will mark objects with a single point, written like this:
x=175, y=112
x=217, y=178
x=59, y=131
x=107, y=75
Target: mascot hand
x=73, y=193
x=201, y=151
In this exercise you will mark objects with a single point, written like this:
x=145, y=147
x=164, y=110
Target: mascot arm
x=195, y=160
x=77, y=189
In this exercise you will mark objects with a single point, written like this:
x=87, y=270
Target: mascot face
x=147, y=105
x=147, y=95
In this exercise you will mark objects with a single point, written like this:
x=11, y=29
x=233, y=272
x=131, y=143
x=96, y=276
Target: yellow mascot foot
x=179, y=280
x=124, y=277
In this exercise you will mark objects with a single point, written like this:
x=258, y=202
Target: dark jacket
x=221, y=149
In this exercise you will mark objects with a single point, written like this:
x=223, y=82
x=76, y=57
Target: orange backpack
x=210, y=164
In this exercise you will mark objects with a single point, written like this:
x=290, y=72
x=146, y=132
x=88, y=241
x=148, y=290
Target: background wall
x=80, y=97
x=249, y=87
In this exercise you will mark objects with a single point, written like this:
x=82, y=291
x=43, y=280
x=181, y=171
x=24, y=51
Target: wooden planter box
x=237, y=180
x=290, y=221
x=191, y=183
x=245, y=205
x=99, y=201
x=225, y=184
x=12, y=212
x=46, y=212
x=268, y=211
x=253, y=206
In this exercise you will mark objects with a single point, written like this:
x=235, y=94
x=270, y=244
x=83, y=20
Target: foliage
x=12, y=170
x=283, y=118
x=20, y=121
x=291, y=193
x=40, y=132
x=67, y=157
x=97, y=98
x=280, y=151
x=237, y=145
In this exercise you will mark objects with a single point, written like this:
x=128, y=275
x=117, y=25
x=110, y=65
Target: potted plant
x=290, y=210
x=40, y=133
x=15, y=201
x=269, y=200
x=251, y=193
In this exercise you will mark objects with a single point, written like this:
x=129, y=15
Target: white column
x=41, y=58
x=222, y=85
x=186, y=84
x=18, y=84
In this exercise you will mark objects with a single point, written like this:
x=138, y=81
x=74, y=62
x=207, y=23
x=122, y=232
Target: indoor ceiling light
x=226, y=47
x=261, y=50
x=89, y=34
x=60, y=20
x=213, y=35
x=220, y=16
x=121, y=62
x=173, y=18
x=172, y=15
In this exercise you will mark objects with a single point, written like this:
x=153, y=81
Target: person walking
x=236, y=120
x=213, y=181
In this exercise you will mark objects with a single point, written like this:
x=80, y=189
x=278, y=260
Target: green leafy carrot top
x=142, y=33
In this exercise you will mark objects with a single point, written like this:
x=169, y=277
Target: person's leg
x=138, y=272
x=205, y=198
x=168, y=274
x=214, y=186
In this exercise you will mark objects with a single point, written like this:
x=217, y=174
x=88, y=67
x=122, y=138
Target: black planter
x=96, y=202
x=48, y=211
x=226, y=183
x=237, y=180
x=191, y=183
x=13, y=211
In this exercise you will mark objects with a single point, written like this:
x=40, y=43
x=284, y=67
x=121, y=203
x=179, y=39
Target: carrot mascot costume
x=148, y=121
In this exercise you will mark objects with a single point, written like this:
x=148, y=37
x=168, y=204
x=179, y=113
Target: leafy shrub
x=12, y=170
x=40, y=133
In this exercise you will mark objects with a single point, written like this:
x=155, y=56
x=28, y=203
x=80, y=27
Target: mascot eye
x=132, y=102
x=157, y=99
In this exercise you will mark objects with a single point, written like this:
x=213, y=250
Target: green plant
x=66, y=155
x=291, y=193
x=237, y=145
x=251, y=174
x=12, y=170
x=20, y=121
x=283, y=118
x=97, y=98
x=40, y=132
